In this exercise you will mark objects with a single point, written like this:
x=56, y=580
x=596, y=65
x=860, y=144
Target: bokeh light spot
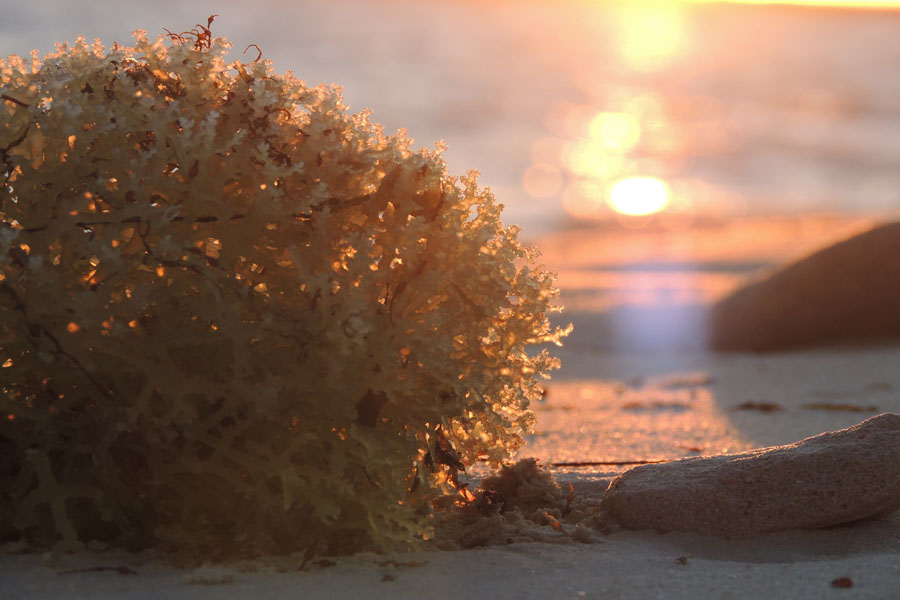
x=639, y=196
x=591, y=159
x=616, y=132
x=583, y=200
x=542, y=180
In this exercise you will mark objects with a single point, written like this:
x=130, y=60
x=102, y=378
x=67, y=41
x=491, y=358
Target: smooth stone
x=847, y=293
x=831, y=478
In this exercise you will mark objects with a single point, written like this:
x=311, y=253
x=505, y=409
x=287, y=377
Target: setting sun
x=637, y=196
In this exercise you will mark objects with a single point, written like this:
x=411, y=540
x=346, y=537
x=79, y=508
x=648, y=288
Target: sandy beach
x=773, y=132
x=628, y=407
x=604, y=405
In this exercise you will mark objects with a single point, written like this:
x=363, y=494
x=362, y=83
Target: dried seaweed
x=236, y=319
x=523, y=502
x=763, y=407
x=839, y=406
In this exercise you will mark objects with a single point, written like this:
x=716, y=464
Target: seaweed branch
x=258, y=49
x=202, y=35
x=36, y=329
x=14, y=101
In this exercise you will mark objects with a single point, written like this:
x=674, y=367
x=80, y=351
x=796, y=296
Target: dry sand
x=609, y=406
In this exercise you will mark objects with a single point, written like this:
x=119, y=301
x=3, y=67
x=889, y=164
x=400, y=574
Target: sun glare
x=650, y=33
x=637, y=196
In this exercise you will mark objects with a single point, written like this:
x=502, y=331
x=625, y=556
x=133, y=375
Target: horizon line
x=843, y=4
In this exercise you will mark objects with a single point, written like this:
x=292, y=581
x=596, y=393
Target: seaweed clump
x=524, y=503
x=236, y=319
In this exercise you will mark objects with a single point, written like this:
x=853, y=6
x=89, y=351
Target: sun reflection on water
x=616, y=154
x=613, y=162
x=615, y=132
x=611, y=156
x=637, y=196
x=590, y=159
x=650, y=33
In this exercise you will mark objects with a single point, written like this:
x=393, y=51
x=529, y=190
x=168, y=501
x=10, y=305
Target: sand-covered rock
x=832, y=478
x=846, y=293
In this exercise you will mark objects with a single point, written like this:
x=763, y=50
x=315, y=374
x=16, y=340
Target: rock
x=846, y=293
x=832, y=478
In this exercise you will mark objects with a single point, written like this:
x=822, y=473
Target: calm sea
x=736, y=110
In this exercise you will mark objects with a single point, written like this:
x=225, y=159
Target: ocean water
x=737, y=110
